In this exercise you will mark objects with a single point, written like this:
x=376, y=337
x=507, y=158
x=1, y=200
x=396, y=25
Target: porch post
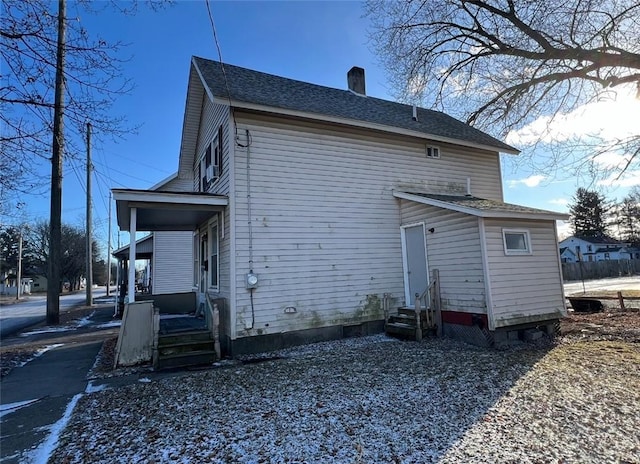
x=131, y=285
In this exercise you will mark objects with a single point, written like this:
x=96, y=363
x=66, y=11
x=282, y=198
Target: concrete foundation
x=271, y=342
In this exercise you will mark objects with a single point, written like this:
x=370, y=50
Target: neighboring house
x=307, y=205
x=567, y=255
x=629, y=252
x=594, y=248
x=8, y=285
x=39, y=283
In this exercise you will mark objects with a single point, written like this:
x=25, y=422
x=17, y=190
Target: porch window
x=516, y=242
x=214, y=250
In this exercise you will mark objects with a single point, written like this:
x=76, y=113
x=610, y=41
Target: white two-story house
x=307, y=205
x=602, y=248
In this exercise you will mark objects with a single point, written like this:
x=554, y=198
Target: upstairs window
x=210, y=166
x=433, y=152
x=516, y=242
x=217, y=159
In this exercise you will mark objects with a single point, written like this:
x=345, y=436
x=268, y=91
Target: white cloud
x=559, y=201
x=531, y=181
x=611, y=160
x=628, y=179
x=612, y=117
x=564, y=229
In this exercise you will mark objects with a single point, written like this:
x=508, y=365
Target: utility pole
x=89, y=233
x=19, y=281
x=109, y=250
x=55, y=215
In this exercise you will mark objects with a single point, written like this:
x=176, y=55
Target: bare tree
x=502, y=65
x=94, y=80
x=56, y=79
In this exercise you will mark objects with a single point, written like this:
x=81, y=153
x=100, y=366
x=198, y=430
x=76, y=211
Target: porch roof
x=144, y=249
x=481, y=207
x=157, y=210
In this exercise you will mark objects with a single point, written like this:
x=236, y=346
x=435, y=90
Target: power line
x=128, y=175
x=215, y=39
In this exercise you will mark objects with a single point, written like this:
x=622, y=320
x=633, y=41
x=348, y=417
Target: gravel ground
x=375, y=399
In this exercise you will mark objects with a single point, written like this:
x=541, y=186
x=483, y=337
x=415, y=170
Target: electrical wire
x=224, y=75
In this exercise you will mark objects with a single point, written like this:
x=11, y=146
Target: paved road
x=37, y=398
x=18, y=316
x=613, y=284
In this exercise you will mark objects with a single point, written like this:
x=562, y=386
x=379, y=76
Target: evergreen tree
x=628, y=218
x=589, y=214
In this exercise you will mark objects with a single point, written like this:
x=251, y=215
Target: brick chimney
x=355, y=79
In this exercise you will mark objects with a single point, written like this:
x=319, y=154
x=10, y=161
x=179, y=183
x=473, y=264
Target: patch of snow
x=46, y=330
x=144, y=380
x=6, y=409
x=85, y=321
x=373, y=399
x=107, y=325
x=40, y=352
x=44, y=451
x=91, y=388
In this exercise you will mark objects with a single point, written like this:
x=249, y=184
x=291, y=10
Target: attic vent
x=433, y=152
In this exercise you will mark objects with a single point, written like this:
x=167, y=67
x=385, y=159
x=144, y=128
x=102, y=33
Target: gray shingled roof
x=602, y=239
x=487, y=208
x=248, y=86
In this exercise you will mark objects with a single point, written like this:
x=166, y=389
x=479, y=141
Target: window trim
x=527, y=241
x=212, y=157
x=433, y=149
x=211, y=224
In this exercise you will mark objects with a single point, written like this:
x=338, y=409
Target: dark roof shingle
x=490, y=207
x=248, y=86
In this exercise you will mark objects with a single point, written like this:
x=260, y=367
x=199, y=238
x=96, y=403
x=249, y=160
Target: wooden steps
x=185, y=349
x=403, y=324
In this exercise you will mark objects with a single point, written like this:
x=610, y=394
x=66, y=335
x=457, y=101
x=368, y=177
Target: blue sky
x=311, y=41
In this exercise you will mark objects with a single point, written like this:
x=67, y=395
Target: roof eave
x=542, y=215
x=356, y=123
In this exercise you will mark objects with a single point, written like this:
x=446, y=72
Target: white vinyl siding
x=172, y=262
x=326, y=227
x=524, y=287
x=177, y=185
x=454, y=249
x=213, y=116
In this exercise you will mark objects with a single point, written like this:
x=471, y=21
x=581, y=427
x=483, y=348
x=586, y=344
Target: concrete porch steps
x=184, y=349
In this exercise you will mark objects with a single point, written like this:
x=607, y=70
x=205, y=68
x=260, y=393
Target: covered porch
x=173, y=329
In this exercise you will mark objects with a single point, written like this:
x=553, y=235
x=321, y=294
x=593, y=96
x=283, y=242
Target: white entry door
x=416, y=277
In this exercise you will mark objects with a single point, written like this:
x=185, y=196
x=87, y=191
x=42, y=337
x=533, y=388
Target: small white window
x=433, y=152
x=516, y=242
